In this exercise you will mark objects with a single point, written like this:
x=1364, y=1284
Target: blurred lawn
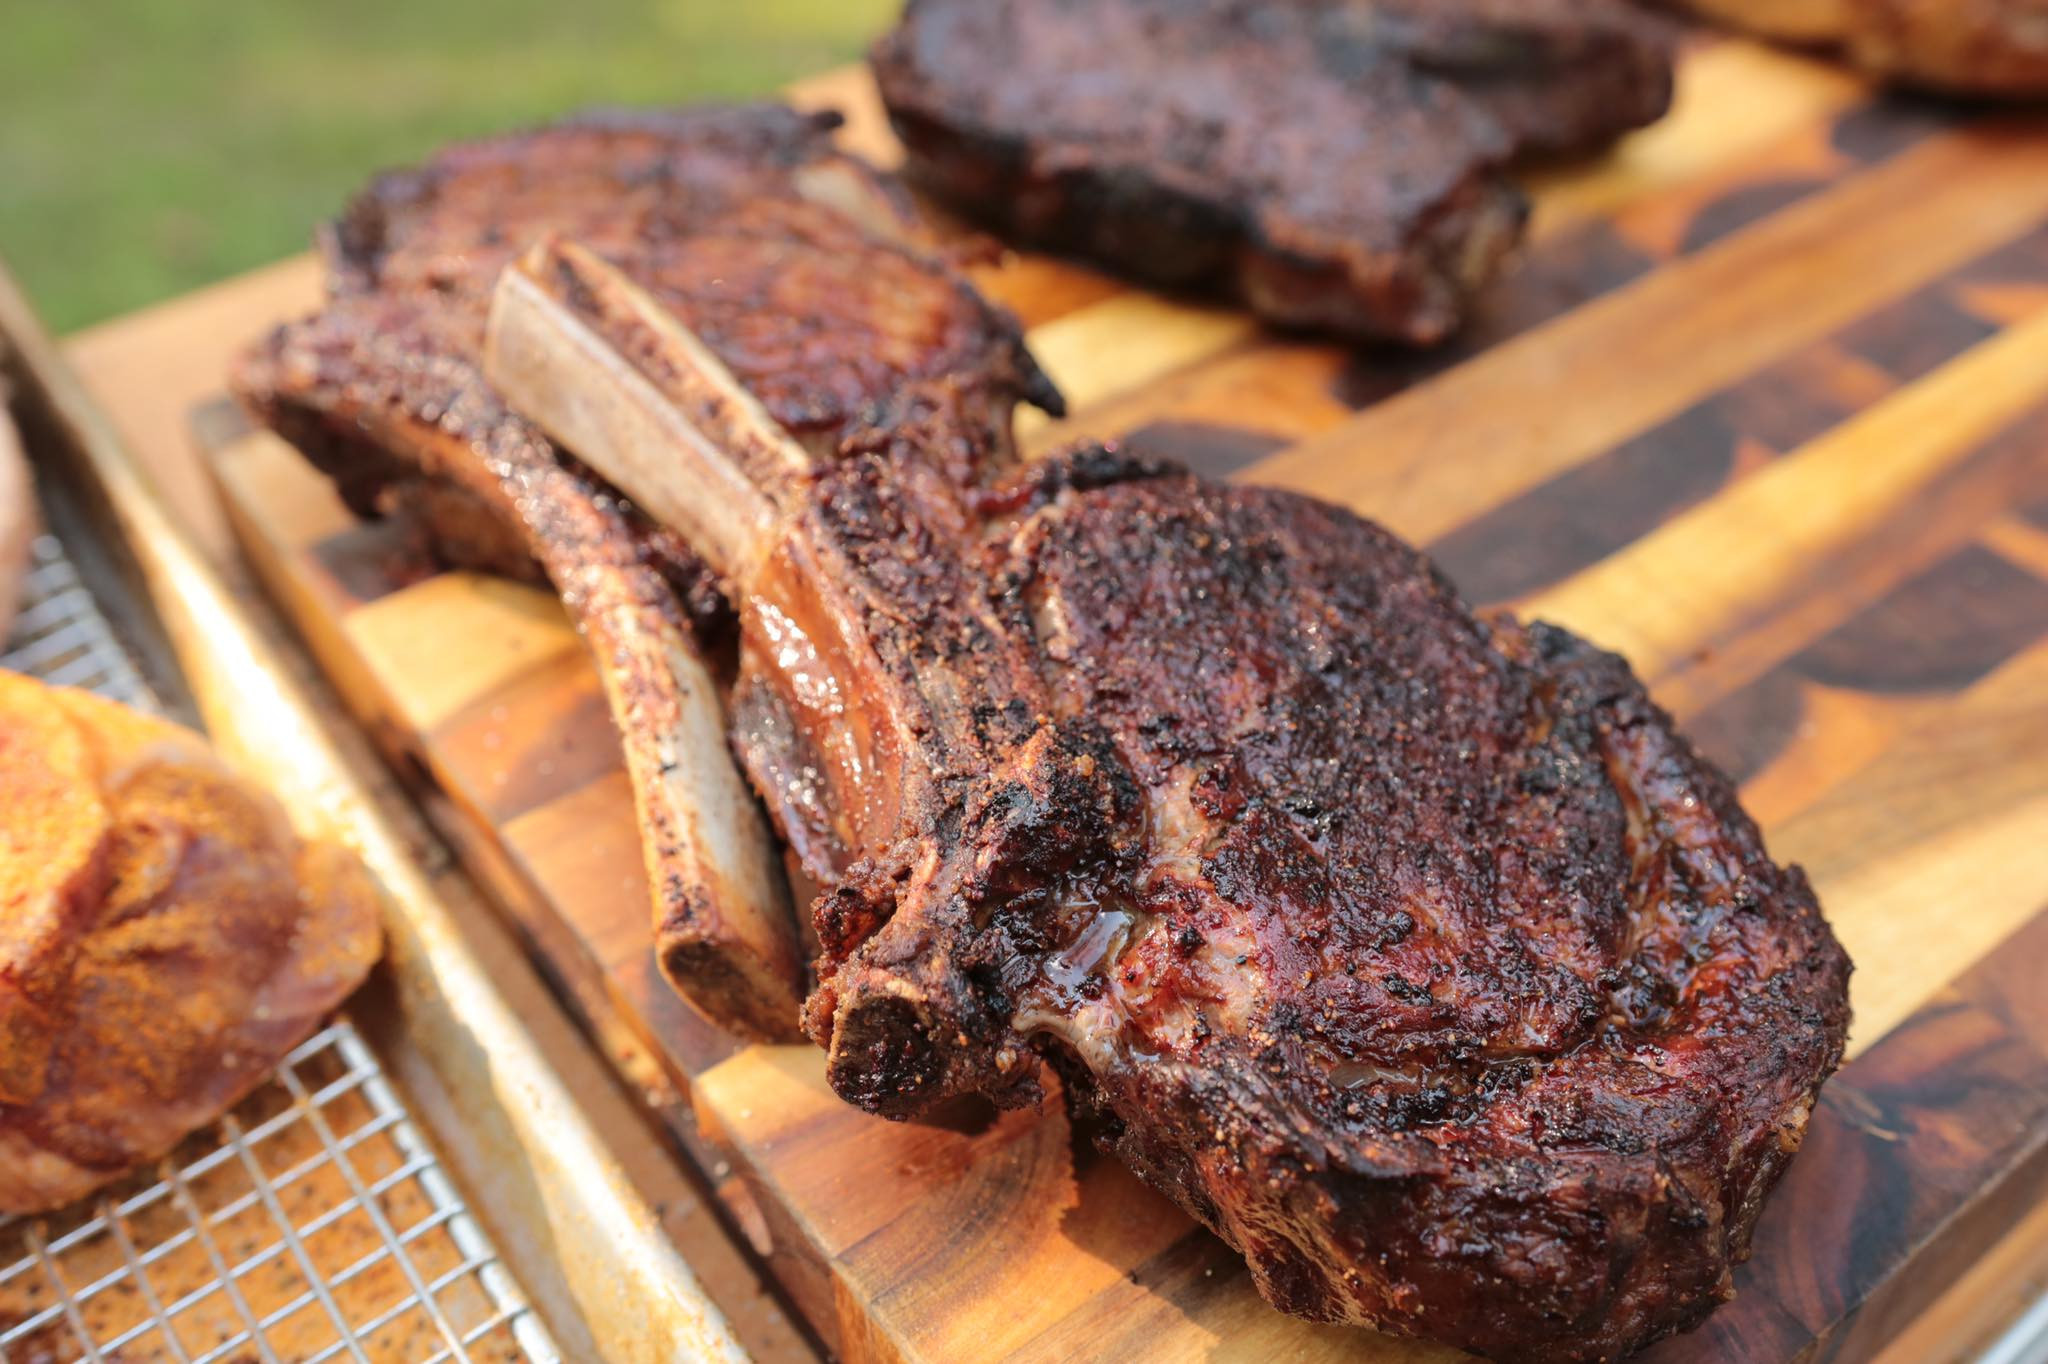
x=148, y=146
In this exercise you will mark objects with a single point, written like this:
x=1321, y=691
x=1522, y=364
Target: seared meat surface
x=165, y=939
x=1414, y=952
x=1334, y=163
x=801, y=267
x=1972, y=47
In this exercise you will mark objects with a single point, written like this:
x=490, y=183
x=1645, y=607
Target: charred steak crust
x=1335, y=164
x=1414, y=953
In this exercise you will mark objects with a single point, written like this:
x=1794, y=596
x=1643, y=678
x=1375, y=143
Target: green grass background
x=150, y=146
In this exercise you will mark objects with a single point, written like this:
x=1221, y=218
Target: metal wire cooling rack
x=60, y=636
x=312, y=1223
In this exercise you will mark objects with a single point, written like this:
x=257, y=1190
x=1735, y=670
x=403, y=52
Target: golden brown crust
x=53, y=869
x=167, y=938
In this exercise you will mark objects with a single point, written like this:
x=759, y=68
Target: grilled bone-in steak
x=1412, y=951
x=1336, y=163
x=800, y=267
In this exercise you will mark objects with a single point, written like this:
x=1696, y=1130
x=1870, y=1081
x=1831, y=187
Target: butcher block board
x=1765, y=408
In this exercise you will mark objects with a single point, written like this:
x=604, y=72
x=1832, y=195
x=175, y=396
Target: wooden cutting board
x=1765, y=408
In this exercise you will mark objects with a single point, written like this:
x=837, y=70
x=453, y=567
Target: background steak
x=1334, y=164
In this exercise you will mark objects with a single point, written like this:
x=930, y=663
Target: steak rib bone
x=727, y=935
x=876, y=684
x=804, y=269
x=716, y=491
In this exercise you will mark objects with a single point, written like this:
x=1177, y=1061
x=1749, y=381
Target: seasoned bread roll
x=165, y=938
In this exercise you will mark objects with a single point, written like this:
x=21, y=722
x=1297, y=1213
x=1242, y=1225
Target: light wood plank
x=269, y=473
x=1280, y=388
x=1429, y=460
x=154, y=363
x=583, y=849
x=2020, y=543
x=851, y=91
x=446, y=643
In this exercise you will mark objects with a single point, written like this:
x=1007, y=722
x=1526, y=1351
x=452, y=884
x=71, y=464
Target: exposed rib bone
x=859, y=197
x=724, y=933
x=609, y=372
x=560, y=321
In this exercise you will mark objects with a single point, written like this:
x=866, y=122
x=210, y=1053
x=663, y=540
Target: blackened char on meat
x=804, y=270
x=1335, y=163
x=1412, y=951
